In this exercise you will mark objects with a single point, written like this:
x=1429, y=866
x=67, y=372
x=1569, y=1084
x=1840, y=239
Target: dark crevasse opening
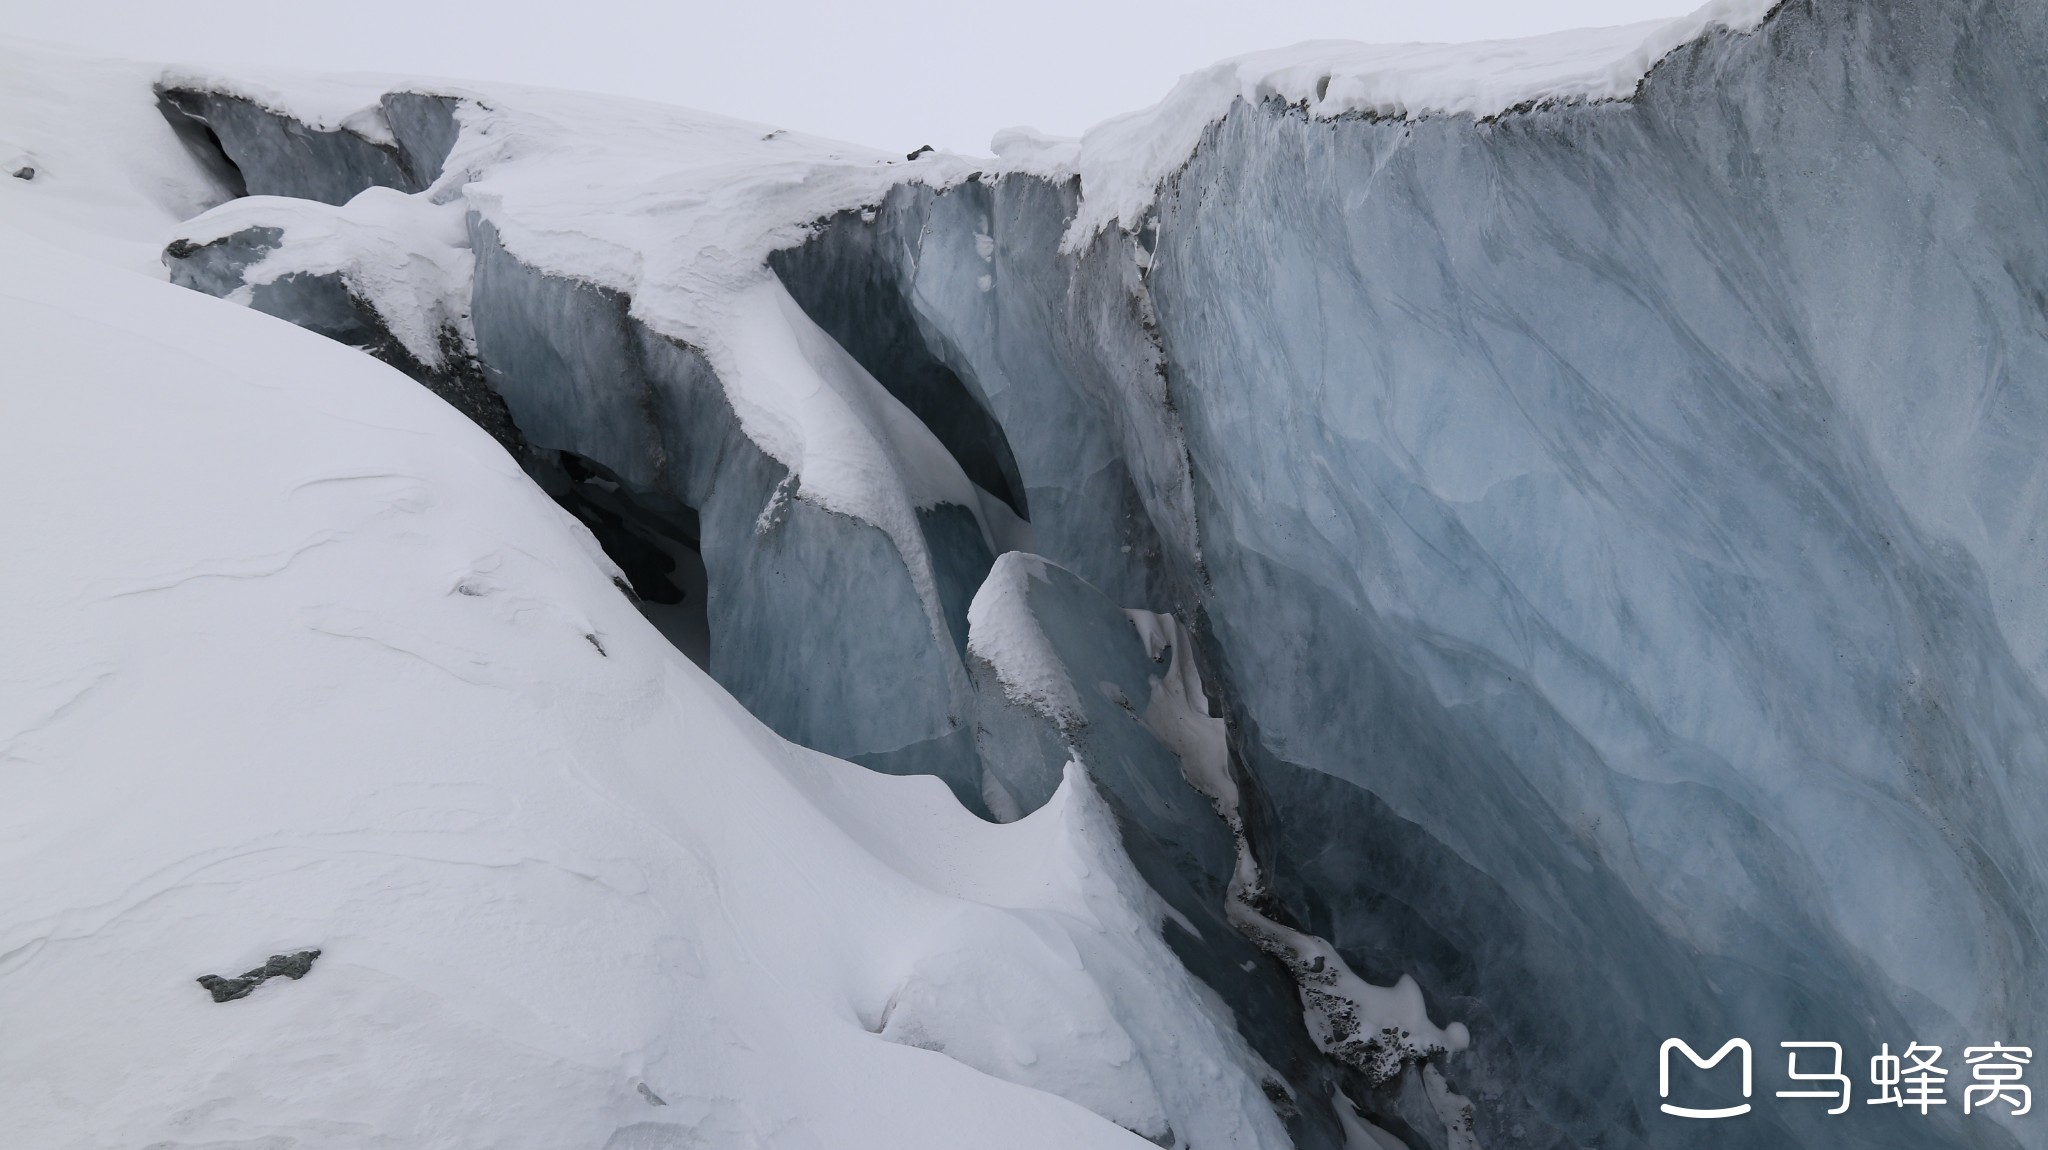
x=652, y=537
x=960, y=561
x=655, y=541
x=324, y=303
x=251, y=150
x=204, y=145
x=849, y=280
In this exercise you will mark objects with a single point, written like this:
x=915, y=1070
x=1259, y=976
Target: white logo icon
x=1664, y=1076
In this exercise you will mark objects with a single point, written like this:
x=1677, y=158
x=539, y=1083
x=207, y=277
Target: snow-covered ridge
x=1122, y=161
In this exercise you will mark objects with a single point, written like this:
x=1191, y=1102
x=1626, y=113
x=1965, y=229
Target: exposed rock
x=293, y=966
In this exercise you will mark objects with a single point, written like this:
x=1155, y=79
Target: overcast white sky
x=891, y=73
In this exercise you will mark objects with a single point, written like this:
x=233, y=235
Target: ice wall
x=1617, y=527
x=815, y=623
x=401, y=144
x=970, y=277
x=1622, y=542
x=1063, y=676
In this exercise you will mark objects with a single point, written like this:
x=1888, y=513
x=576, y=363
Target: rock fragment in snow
x=293, y=966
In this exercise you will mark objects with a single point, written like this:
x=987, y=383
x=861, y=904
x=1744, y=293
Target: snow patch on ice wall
x=1003, y=631
x=1378, y=1030
x=406, y=256
x=1178, y=712
x=850, y=446
x=1123, y=160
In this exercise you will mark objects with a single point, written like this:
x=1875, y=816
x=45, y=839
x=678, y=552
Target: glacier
x=1420, y=572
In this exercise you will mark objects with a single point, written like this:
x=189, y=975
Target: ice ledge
x=1123, y=160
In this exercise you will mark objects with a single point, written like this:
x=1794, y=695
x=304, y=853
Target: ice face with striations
x=1522, y=550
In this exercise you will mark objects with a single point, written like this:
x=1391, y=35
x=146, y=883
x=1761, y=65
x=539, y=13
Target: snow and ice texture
x=1621, y=537
x=1064, y=676
x=1145, y=733
x=969, y=276
x=817, y=623
x=298, y=659
x=1123, y=161
x=1375, y=1030
x=631, y=320
x=403, y=256
x=1604, y=507
x=387, y=272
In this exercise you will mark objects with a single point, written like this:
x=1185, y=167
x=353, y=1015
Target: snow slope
x=296, y=657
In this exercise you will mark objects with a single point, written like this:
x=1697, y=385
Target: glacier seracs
x=1575, y=505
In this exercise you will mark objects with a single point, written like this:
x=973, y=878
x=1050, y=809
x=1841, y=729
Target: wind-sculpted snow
x=406, y=258
x=388, y=273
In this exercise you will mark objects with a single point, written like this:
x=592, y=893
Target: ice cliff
x=1508, y=553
